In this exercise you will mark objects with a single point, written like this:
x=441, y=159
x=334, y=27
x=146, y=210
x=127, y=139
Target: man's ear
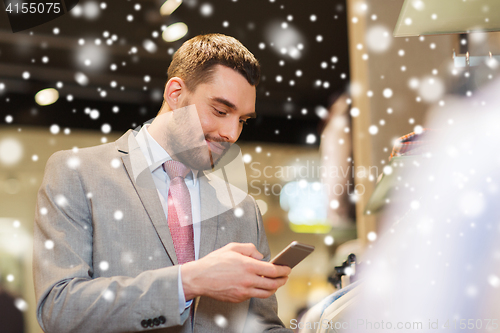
x=174, y=89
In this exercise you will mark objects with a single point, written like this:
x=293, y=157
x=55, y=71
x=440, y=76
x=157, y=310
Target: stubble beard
x=201, y=157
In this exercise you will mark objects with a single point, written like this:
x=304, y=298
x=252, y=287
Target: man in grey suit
x=105, y=255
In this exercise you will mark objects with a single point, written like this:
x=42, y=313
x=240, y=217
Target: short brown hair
x=195, y=59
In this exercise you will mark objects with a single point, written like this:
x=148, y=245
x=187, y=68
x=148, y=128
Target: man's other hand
x=233, y=273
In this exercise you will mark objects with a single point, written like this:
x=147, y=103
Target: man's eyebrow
x=250, y=115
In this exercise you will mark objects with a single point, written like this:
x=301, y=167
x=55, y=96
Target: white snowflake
x=108, y=295
x=415, y=204
x=106, y=128
x=494, y=281
x=471, y=291
x=206, y=9
x=329, y=240
x=238, y=212
x=118, y=215
x=247, y=158
x=372, y=236
x=61, y=200
x=311, y=139
x=94, y=114
x=21, y=304
x=49, y=245
x=54, y=129
x=73, y=162
x=221, y=321
x=378, y=39
x=81, y=79
x=387, y=93
x=103, y=265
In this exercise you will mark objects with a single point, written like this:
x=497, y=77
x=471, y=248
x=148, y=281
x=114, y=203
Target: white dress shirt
x=156, y=156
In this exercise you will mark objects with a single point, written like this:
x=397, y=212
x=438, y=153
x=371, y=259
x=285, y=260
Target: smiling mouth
x=215, y=147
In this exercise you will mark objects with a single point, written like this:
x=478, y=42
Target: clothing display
x=411, y=144
x=314, y=314
x=332, y=316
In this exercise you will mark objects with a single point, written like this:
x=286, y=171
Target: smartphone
x=291, y=255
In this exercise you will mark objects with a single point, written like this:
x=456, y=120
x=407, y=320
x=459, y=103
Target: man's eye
x=244, y=122
x=220, y=112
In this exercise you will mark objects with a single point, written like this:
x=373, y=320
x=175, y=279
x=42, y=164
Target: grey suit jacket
x=104, y=260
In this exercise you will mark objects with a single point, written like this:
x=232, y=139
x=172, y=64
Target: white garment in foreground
x=440, y=264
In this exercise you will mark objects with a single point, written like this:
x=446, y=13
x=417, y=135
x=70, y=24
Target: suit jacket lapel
x=140, y=175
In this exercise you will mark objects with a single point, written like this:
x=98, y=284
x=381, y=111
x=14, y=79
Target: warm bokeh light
x=47, y=96
x=175, y=32
x=262, y=206
x=169, y=7
x=11, y=151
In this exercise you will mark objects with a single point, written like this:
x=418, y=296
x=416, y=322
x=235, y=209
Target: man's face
x=224, y=104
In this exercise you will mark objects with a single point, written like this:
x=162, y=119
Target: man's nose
x=231, y=130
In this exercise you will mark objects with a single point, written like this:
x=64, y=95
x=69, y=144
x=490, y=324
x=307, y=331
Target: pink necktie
x=179, y=211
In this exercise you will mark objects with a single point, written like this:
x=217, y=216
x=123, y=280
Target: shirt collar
x=155, y=154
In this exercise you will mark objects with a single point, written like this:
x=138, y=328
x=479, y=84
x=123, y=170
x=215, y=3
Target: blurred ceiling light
x=175, y=32
x=169, y=7
x=47, y=96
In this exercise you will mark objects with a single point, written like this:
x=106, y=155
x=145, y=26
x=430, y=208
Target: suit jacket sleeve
x=263, y=313
x=68, y=298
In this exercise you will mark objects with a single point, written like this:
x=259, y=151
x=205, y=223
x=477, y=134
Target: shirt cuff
x=183, y=305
